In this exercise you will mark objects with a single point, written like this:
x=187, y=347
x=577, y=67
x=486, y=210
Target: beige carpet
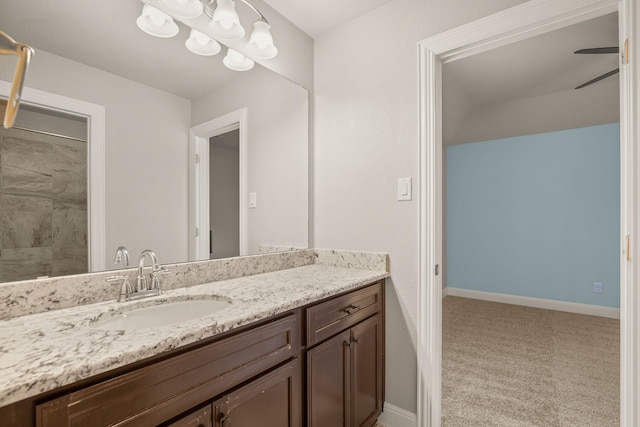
x=508, y=365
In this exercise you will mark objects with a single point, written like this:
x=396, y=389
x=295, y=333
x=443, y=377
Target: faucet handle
x=163, y=270
x=155, y=282
x=125, y=289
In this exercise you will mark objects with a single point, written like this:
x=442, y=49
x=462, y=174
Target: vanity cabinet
x=345, y=371
x=318, y=365
x=156, y=393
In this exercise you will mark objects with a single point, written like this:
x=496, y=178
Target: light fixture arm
x=8, y=46
x=208, y=9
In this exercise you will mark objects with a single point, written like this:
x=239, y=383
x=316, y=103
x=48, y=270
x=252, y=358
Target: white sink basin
x=154, y=314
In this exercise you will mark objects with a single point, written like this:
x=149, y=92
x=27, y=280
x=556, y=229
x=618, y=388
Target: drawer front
x=156, y=393
x=337, y=314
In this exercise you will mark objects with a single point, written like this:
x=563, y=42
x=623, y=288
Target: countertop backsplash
x=41, y=295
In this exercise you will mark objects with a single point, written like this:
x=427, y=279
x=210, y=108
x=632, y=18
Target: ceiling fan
x=599, y=50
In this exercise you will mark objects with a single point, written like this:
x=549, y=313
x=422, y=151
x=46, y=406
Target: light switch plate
x=404, y=188
x=252, y=200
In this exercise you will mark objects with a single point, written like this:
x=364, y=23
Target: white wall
x=277, y=152
x=146, y=153
x=366, y=137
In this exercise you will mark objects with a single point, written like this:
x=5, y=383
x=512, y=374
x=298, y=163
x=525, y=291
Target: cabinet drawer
x=153, y=394
x=337, y=314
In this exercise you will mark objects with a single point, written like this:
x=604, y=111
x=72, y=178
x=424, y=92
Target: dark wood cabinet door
x=366, y=372
x=328, y=382
x=199, y=418
x=156, y=393
x=272, y=400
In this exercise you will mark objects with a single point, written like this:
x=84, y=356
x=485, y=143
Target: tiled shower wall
x=43, y=205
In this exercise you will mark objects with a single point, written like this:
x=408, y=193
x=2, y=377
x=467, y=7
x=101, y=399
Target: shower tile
x=20, y=181
x=25, y=229
x=69, y=227
x=24, y=155
x=23, y=264
x=25, y=202
x=69, y=161
x=66, y=261
x=69, y=194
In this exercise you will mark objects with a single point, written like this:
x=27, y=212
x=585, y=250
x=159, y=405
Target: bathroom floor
x=508, y=365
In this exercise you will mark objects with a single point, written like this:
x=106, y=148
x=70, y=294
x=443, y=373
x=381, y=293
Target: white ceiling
x=538, y=65
x=528, y=86
x=316, y=17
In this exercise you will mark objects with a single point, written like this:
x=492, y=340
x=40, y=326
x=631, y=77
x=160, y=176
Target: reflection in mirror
x=154, y=91
x=43, y=195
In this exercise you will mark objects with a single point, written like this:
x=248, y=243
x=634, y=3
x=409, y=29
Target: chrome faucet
x=127, y=293
x=141, y=284
x=122, y=254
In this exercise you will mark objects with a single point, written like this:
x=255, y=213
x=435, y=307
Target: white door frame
x=95, y=115
x=520, y=22
x=199, y=180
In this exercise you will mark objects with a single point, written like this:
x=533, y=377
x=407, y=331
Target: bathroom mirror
x=154, y=91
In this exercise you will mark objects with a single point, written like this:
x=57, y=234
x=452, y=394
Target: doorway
x=220, y=136
x=94, y=115
x=518, y=23
x=224, y=190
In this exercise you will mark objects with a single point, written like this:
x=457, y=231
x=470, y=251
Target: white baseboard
x=393, y=416
x=571, y=307
x=445, y=292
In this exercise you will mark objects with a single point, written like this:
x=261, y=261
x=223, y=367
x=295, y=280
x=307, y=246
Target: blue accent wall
x=537, y=215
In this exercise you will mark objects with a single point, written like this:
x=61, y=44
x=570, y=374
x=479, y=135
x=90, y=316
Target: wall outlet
x=597, y=287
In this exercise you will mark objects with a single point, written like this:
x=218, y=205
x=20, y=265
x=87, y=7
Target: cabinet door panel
x=328, y=382
x=198, y=418
x=272, y=400
x=366, y=370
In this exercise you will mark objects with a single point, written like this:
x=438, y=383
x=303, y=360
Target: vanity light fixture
x=225, y=22
x=183, y=8
x=157, y=23
x=9, y=46
x=224, y=25
x=202, y=44
x=234, y=60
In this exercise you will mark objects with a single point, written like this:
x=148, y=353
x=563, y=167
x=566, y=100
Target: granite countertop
x=41, y=352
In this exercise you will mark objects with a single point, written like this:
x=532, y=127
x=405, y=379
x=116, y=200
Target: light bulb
x=225, y=22
x=201, y=44
x=236, y=61
x=156, y=23
x=183, y=8
x=261, y=43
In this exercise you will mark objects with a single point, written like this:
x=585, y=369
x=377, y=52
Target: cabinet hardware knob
x=225, y=422
x=356, y=340
x=351, y=309
x=347, y=343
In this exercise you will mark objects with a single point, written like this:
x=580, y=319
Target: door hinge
x=197, y=232
x=627, y=249
x=197, y=158
x=625, y=52
x=437, y=269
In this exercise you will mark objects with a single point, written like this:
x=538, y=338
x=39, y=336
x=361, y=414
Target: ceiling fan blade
x=597, y=79
x=613, y=49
